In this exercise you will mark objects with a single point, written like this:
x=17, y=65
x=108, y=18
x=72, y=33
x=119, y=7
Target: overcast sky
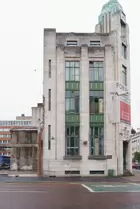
x=21, y=47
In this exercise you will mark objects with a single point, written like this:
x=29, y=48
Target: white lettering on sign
x=121, y=87
x=125, y=116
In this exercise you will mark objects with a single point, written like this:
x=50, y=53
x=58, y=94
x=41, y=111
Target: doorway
x=125, y=150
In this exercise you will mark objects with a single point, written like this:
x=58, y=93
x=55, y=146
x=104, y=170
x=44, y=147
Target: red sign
x=125, y=112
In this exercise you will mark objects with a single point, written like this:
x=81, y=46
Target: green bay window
x=72, y=70
x=96, y=102
x=96, y=71
x=72, y=140
x=72, y=114
x=72, y=101
x=96, y=140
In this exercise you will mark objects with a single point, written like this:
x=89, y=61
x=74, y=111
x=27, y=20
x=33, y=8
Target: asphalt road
x=64, y=196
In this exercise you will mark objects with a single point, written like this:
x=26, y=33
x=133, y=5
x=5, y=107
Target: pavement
x=64, y=195
x=34, y=178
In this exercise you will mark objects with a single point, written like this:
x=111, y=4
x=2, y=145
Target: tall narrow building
x=87, y=117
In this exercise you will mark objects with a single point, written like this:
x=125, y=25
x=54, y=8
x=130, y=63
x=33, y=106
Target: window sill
x=78, y=157
x=97, y=113
x=72, y=113
x=99, y=157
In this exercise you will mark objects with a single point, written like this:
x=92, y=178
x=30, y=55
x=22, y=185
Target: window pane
x=77, y=64
x=97, y=145
x=92, y=129
x=67, y=131
x=72, y=152
x=77, y=71
x=72, y=74
x=101, y=76
x=101, y=94
x=77, y=78
x=76, y=74
x=101, y=64
x=76, y=151
x=101, y=145
x=67, y=64
x=76, y=104
x=101, y=106
x=68, y=151
x=91, y=93
x=67, y=94
x=96, y=94
x=71, y=64
x=49, y=98
x=67, y=74
x=72, y=141
x=67, y=104
x=95, y=74
x=102, y=131
x=76, y=93
x=96, y=105
x=72, y=131
x=124, y=52
x=91, y=64
x=91, y=75
x=91, y=141
x=124, y=75
x=91, y=105
x=96, y=131
x=72, y=104
x=92, y=151
x=96, y=64
x=77, y=131
x=76, y=140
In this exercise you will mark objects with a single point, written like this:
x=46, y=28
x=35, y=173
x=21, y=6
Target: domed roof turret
x=112, y=6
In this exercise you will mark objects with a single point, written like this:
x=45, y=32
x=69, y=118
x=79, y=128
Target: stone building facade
x=87, y=116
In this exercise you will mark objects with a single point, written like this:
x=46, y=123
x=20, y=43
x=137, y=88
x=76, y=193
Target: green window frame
x=96, y=71
x=72, y=70
x=96, y=140
x=72, y=140
x=96, y=102
x=72, y=101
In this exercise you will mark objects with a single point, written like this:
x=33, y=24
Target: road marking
x=16, y=191
x=109, y=186
x=135, y=184
x=117, y=191
x=88, y=188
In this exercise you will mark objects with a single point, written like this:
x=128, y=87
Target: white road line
x=135, y=184
x=16, y=191
x=88, y=188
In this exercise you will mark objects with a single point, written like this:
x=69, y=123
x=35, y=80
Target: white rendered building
x=87, y=119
